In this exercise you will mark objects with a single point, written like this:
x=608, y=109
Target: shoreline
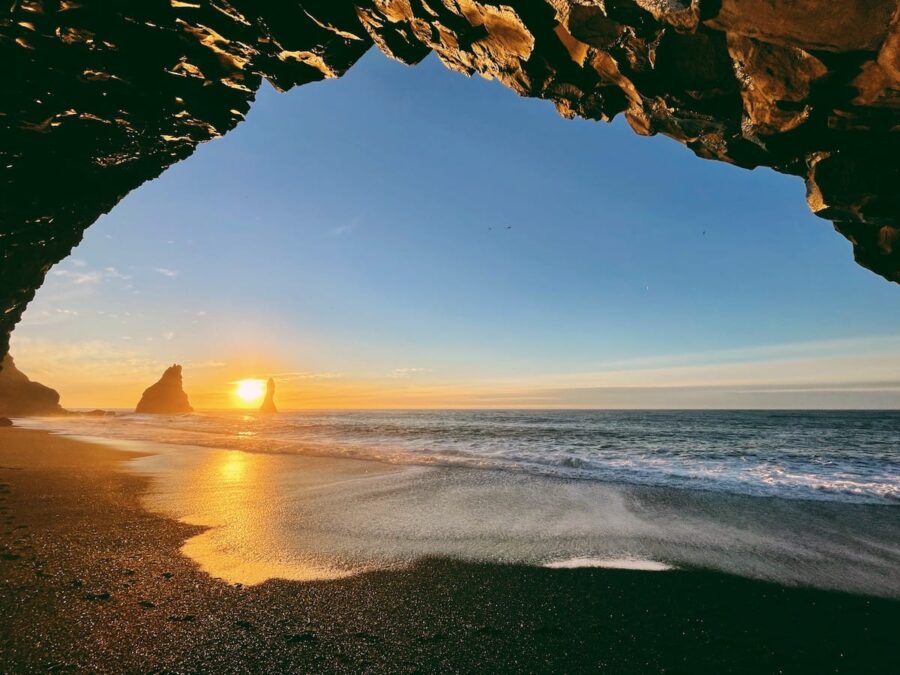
x=295, y=517
x=84, y=563
x=200, y=440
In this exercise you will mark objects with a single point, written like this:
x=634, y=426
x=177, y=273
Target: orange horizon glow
x=827, y=374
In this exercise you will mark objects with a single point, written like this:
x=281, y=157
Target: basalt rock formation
x=167, y=396
x=268, y=405
x=20, y=397
x=104, y=95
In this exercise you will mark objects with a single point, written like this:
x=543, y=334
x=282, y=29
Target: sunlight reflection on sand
x=305, y=518
x=240, y=497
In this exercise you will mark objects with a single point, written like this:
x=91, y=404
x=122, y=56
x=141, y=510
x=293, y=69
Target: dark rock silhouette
x=101, y=99
x=268, y=405
x=20, y=397
x=167, y=396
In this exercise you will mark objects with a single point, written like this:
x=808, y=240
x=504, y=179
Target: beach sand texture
x=90, y=580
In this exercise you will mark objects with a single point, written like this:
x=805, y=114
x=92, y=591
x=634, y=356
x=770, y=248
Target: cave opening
x=343, y=221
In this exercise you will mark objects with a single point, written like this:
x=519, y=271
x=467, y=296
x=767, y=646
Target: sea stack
x=20, y=397
x=167, y=396
x=268, y=405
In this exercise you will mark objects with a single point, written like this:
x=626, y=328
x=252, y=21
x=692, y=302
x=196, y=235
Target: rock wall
x=166, y=396
x=102, y=95
x=20, y=397
x=268, y=404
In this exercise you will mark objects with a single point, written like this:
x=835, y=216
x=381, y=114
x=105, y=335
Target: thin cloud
x=84, y=276
x=344, y=229
x=66, y=285
x=166, y=272
x=813, y=348
x=195, y=365
x=113, y=273
x=305, y=375
x=93, y=359
x=408, y=372
x=48, y=317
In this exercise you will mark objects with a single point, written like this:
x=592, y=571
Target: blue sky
x=410, y=236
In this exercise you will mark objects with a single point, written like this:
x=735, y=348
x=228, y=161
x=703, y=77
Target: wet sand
x=307, y=518
x=92, y=581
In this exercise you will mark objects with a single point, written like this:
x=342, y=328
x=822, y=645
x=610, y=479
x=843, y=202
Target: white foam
x=611, y=563
x=806, y=456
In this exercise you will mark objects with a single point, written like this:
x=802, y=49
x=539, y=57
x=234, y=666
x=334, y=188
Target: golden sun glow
x=249, y=391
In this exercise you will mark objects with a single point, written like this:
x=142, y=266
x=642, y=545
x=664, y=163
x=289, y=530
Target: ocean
x=799, y=498
x=822, y=455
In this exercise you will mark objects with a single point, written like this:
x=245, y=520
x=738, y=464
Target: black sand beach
x=91, y=581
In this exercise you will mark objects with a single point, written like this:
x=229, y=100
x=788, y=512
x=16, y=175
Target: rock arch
x=103, y=95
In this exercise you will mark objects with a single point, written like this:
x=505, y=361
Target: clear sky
x=409, y=237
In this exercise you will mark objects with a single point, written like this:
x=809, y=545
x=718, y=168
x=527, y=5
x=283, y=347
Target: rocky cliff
x=20, y=397
x=268, y=405
x=167, y=396
x=104, y=95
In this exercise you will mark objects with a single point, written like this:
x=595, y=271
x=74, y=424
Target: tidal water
x=799, y=498
x=820, y=455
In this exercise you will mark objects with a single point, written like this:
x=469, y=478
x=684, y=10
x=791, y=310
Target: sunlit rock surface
x=167, y=396
x=103, y=96
x=268, y=405
x=20, y=397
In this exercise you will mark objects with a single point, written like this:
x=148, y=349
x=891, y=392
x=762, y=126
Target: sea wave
x=833, y=456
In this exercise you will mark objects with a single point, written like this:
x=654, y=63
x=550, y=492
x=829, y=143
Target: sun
x=250, y=390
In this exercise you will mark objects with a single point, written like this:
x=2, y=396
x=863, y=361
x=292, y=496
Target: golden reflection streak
x=233, y=467
x=230, y=493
